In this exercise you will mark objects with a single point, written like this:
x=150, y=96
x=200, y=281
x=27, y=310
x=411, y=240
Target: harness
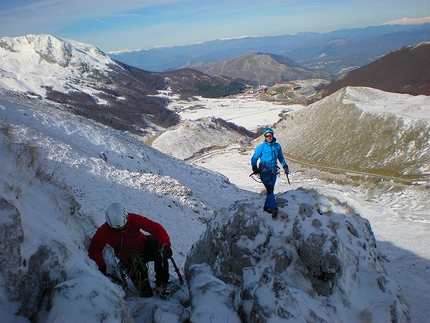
x=269, y=173
x=136, y=258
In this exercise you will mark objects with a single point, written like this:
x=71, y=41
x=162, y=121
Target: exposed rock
x=317, y=268
x=44, y=272
x=11, y=236
x=232, y=242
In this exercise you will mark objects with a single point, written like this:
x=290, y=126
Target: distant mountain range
x=335, y=52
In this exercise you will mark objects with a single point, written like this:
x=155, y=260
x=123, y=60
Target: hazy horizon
x=118, y=25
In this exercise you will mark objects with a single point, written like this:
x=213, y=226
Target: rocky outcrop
x=316, y=264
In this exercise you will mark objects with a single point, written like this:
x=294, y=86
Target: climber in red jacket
x=122, y=231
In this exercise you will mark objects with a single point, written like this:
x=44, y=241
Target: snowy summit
x=43, y=61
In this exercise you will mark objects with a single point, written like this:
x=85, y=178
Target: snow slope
x=193, y=137
x=33, y=63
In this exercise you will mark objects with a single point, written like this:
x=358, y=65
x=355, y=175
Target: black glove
x=103, y=270
x=287, y=171
x=166, y=251
x=255, y=169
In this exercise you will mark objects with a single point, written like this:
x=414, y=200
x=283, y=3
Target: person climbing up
x=134, y=249
x=269, y=152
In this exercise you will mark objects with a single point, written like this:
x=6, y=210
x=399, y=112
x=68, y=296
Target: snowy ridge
x=377, y=101
x=34, y=62
x=192, y=137
x=84, y=80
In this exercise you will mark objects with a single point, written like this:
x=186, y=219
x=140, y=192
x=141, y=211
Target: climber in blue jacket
x=269, y=152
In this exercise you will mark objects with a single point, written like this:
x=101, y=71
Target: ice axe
x=181, y=280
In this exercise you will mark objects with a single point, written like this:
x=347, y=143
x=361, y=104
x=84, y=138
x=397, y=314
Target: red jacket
x=127, y=242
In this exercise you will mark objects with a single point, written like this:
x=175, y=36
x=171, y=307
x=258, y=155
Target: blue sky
x=116, y=25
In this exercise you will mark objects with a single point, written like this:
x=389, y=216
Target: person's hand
x=166, y=251
x=255, y=169
x=103, y=270
x=287, y=171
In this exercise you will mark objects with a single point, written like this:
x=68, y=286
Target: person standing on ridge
x=122, y=231
x=269, y=152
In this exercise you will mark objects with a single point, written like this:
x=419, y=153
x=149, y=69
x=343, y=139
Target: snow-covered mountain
x=59, y=171
x=319, y=262
x=87, y=82
x=40, y=63
x=84, y=80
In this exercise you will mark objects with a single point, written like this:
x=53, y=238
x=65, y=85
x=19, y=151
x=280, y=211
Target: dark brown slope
x=137, y=88
x=190, y=82
x=403, y=71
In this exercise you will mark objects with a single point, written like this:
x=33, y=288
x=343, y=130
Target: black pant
x=137, y=268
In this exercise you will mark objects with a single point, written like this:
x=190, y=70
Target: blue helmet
x=267, y=130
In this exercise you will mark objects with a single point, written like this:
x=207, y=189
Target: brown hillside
x=260, y=68
x=403, y=71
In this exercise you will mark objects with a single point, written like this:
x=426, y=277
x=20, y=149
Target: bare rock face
x=11, y=235
x=31, y=281
x=226, y=247
x=44, y=272
x=316, y=267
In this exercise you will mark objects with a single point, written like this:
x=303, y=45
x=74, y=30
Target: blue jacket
x=269, y=153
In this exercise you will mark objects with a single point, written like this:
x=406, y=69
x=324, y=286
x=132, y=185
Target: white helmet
x=116, y=215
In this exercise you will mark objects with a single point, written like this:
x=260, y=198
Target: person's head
x=116, y=216
x=268, y=134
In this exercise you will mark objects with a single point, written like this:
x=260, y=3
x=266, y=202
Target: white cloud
x=408, y=21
